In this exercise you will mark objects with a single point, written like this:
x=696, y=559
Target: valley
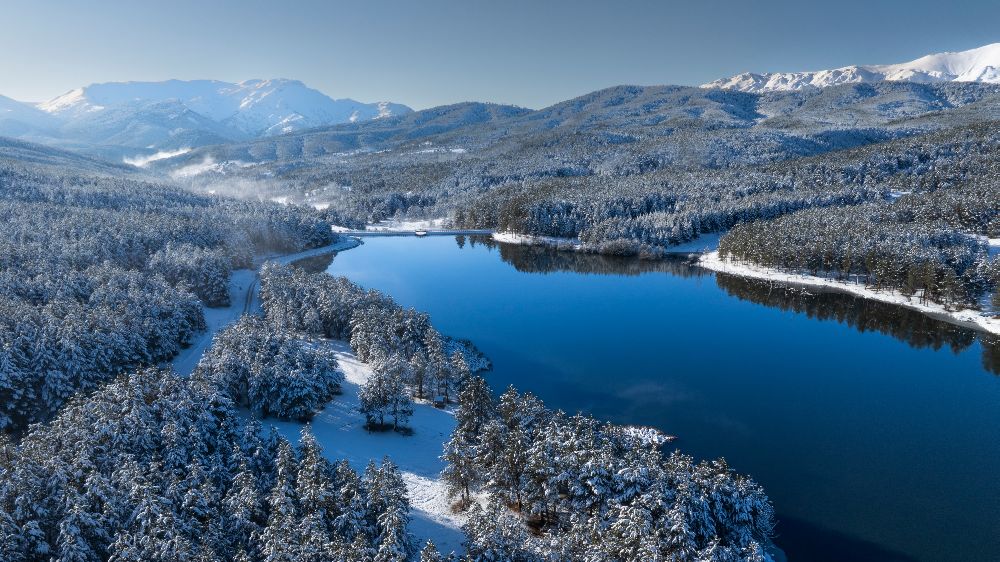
x=752, y=320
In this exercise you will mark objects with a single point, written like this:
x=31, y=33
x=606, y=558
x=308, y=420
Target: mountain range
x=139, y=119
x=282, y=120
x=975, y=65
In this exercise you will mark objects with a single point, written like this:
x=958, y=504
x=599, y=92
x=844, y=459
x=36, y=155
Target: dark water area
x=874, y=429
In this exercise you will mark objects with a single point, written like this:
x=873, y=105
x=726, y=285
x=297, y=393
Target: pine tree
x=281, y=541
x=350, y=522
x=244, y=509
x=437, y=363
x=460, y=372
x=418, y=370
x=463, y=470
x=430, y=553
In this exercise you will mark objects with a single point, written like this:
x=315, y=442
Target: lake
x=874, y=429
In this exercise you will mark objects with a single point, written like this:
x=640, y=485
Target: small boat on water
x=420, y=232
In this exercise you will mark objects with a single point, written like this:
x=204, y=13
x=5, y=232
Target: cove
x=874, y=429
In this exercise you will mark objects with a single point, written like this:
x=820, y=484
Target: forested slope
x=102, y=274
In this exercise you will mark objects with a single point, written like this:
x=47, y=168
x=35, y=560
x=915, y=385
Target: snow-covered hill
x=975, y=65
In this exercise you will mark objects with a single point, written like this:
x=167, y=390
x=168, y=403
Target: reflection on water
x=315, y=264
x=539, y=259
x=910, y=326
x=873, y=428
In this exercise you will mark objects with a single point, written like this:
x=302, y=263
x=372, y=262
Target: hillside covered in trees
x=637, y=170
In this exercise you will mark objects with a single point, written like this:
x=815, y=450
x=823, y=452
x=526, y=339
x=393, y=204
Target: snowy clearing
x=700, y=245
x=967, y=318
x=241, y=281
x=339, y=428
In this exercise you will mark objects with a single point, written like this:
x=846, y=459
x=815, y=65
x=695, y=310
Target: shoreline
x=966, y=318
x=706, y=248
x=701, y=244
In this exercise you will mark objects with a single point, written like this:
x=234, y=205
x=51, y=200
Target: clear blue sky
x=431, y=52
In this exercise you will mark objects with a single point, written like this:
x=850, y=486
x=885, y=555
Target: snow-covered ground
x=242, y=281
x=967, y=318
x=242, y=295
x=401, y=225
x=339, y=428
x=534, y=240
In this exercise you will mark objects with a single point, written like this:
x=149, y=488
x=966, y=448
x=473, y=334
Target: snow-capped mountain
x=129, y=119
x=975, y=65
x=252, y=107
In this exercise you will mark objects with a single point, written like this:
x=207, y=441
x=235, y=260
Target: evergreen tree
x=281, y=541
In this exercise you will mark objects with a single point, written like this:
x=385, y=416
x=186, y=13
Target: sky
x=432, y=52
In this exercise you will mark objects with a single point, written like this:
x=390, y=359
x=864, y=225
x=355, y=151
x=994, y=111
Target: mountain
x=618, y=131
x=17, y=118
x=370, y=135
x=975, y=65
x=252, y=108
x=138, y=119
x=22, y=152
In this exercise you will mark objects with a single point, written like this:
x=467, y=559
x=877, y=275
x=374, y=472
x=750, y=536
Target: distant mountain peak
x=975, y=65
x=253, y=107
x=136, y=119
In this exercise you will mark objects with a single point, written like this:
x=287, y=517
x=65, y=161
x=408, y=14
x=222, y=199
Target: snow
x=456, y=150
x=404, y=225
x=975, y=65
x=207, y=165
x=242, y=292
x=254, y=107
x=534, y=240
x=216, y=319
x=339, y=428
x=966, y=317
x=702, y=244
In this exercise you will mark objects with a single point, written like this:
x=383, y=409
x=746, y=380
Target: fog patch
x=143, y=161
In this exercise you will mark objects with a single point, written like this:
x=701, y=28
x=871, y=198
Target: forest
x=105, y=454
x=559, y=487
x=99, y=275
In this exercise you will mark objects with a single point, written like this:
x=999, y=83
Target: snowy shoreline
x=707, y=246
x=966, y=318
x=339, y=427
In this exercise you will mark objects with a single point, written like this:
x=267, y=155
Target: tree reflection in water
x=916, y=329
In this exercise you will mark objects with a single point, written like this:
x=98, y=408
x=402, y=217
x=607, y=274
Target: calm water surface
x=874, y=430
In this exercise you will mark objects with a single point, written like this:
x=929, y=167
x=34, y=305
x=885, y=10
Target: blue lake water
x=874, y=430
